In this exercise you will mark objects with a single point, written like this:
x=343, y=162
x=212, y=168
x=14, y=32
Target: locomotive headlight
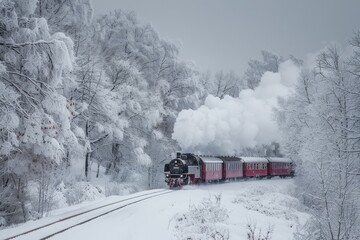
x=181, y=175
x=167, y=175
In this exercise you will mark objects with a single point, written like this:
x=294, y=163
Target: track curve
x=49, y=230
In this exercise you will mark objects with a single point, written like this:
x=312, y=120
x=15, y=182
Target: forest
x=88, y=106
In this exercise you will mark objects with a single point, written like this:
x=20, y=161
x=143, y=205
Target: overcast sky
x=225, y=34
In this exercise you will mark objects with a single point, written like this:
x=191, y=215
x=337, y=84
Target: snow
x=262, y=203
x=282, y=160
x=211, y=159
x=253, y=159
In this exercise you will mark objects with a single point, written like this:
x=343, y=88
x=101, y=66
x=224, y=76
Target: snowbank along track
x=75, y=220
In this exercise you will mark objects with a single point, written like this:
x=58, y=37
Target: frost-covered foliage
x=257, y=68
x=35, y=121
x=82, y=99
x=253, y=233
x=202, y=222
x=222, y=84
x=321, y=131
x=66, y=15
x=138, y=78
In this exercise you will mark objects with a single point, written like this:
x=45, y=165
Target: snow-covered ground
x=264, y=203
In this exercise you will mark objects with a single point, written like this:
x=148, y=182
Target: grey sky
x=225, y=34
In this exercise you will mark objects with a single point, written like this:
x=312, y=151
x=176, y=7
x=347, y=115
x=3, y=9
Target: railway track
x=49, y=230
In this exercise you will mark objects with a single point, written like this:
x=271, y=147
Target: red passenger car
x=211, y=169
x=254, y=166
x=280, y=167
x=232, y=167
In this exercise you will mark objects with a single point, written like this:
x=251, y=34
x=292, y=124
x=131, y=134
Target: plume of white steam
x=226, y=126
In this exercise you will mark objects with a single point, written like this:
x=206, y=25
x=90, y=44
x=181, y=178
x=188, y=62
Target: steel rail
x=154, y=194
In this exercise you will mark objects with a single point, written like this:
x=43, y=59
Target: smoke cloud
x=226, y=126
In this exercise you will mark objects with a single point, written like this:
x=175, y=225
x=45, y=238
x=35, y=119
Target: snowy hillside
x=262, y=204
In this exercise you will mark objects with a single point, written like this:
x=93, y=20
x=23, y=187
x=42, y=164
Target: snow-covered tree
x=35, y=66
x=223, y=84
x=321, y=127
x=256, y=68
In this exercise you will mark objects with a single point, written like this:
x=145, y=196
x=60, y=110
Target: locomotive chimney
x=178, y=154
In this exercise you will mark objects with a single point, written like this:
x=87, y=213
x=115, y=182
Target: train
x=189, y=168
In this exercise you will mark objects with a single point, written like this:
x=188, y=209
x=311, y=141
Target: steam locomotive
x=188, y=168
